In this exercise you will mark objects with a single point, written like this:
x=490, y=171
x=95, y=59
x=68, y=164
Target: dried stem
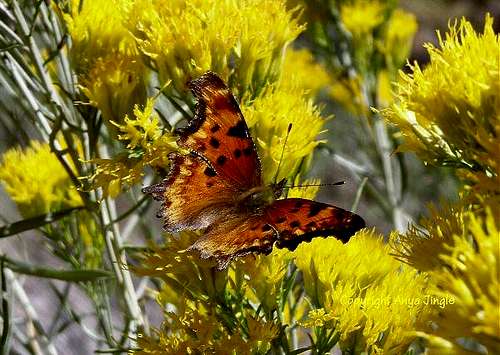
x=34, y=326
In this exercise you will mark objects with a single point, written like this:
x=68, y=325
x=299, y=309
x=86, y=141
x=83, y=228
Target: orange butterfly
x=218, y=186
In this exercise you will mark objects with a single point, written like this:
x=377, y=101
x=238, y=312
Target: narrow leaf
x=58, y=274
x=34, y=222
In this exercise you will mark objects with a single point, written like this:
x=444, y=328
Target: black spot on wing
x=239, y=130
x=214, y=128
x=210, y=172
x=237, y=153
x=266, y=228
x=214, y=142
x=316, y=208
x=221, y=160
x=295, y=224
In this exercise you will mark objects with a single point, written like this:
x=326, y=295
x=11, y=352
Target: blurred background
x=426, y=183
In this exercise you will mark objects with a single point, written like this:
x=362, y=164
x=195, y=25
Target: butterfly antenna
x=282, y=153
x=309, y=185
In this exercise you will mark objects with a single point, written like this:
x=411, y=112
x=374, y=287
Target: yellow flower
x=317, y=318
x=395, y=44
x=196, y=328
x=105, y=57
x=348, y=93
x=260, y=334
x=243, y=41
x=300, y=70
x=469, y=282
x=449, y=112
x=269, y=116
x=361, y=302
x=460, y=250
x=384, y=89
x=35, y=179
x=265, y=273
x=397, y=38
x=421, y=245
x=147, y=145
x=183, y=272
x=361, y=17
x=114, y=85
x=194, y=331
x=97, y=30
x=143, y=129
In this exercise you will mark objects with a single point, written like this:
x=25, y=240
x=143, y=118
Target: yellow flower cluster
x=421, y=245
x=105, y=56
x=191, y=285
x=114, y=85
x=348, y=93
x=147, y=145
x=379, y=33
x=97, y=31
x=449, y=112
x=471, y=279
x=269, y=117
x=460, y=250
x=243, y=41
x=300, y=70
x=361, y=17
x=397, y=38
x=35, y=179
x=289, y=101
x=264, y=275
x=198, y=331
x=361, y=303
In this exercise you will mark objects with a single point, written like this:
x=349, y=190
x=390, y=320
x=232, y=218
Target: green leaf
x=58, y=274
x=34, y=222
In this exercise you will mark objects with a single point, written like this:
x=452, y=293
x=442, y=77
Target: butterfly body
x=218, y=187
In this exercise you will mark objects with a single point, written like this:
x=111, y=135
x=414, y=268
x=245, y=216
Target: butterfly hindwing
x=298, y=220
x=219, y=133
x=193, y=196
x=285, y=222
x=236, y=235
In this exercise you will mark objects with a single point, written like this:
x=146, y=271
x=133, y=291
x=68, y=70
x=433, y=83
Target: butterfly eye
x=278, y=188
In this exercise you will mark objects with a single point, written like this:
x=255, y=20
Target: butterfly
x=218, y=187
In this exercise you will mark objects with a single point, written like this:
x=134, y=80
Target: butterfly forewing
x=219, y=133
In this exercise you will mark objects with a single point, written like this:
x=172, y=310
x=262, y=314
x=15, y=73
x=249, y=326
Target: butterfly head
x=277, y=188
x=262, y=195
